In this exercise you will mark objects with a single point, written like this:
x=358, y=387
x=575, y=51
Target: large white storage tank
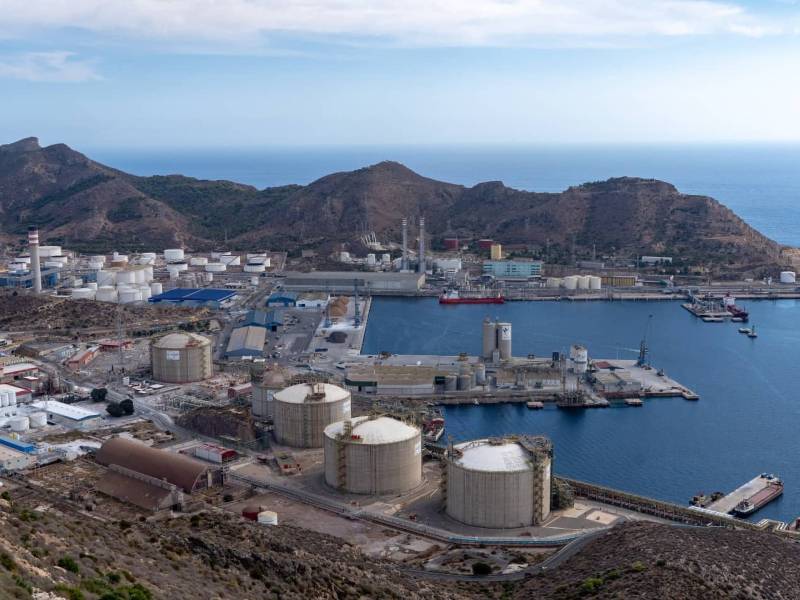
x=367, y=455
x=254, y=268
x=198, y=261
x=129, y=295
x=19, y=423
x=156, y=288
x=583, y=282
x=499, y=482
x=173, y=254
x=38, y=419
x=579, y=356
x=181, y=358
x=303, y=411
x=106, y=277
x=215, y=267
x=788, y=277
x=595, y=282
x=571, y=282
x=106, y=293
x=85, y=293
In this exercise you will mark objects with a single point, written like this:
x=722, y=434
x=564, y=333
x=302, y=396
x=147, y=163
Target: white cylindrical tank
x=267, y=517
x=96, y=266
x=48, y=251
x=254, y=281
x=370, y=259
x=489, y=338
x=198, y=261
x=498, y=483
x=173, y=254
x=106, y=293
x=126, y=278
x=254, y=268
x=38, y=419
x=480, y=374
x=367, y=455
x=463, y=382
x=580, y=358
x=105, y=277
x=451, y=382
x=788, y=277
x=231, y=260
x=571, y=282
x=117, y=257
x=504, y=340
x=19, y=423
x=3, y=399
x=129, y=295
x=156, y=288
x=181, y=358
x=595, y=282
x=84, y=293
x=92, y=285
x=303, y=411
x=216, y=255
x=215, y=267
x=583, y=282
x=554, y=282
x=386, y=258
x=144, y=291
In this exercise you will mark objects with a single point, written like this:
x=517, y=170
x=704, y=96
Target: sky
x=249, y=73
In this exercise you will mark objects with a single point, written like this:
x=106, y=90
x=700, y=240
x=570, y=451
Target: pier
x=746, y=491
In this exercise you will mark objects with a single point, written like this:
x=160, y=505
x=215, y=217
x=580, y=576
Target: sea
x=760, y=182
x=748, y=418
x=745, y=423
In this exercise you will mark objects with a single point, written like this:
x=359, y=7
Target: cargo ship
x=737, y=312
x=772, y=489
x=456, y=297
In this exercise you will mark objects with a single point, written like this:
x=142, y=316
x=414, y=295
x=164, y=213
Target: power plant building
x=499, y=483
x=181, y=358
x=373, y=455
x=302, y=412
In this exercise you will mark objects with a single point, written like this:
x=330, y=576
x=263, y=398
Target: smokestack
x=404, y=263
x=421, y=268
x=33, y=243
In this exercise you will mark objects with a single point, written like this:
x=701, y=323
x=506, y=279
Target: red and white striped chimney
x=36, y=269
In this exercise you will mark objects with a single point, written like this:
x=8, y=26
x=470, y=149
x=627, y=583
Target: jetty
x=747, y=491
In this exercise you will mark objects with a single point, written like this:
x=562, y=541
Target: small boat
x=457, y=297
x=752, y=333
x=634, y=402
x=712, y=319
x=745, y=330
x=534, y=405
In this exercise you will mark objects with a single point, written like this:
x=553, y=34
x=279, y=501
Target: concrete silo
x=263, y=393
x=302, y=412
x=181, y=358
x=489, y=338
x=499, y=482
x=373, y=455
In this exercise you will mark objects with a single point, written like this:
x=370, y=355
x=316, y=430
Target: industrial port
x=240, y=384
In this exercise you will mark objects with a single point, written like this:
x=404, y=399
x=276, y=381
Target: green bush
x=638, y=566
x=7, y=562
x=591, y=585
x=68, y=563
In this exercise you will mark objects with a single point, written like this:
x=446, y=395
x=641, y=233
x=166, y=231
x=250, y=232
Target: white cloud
x=59, y=66
x=412, y=22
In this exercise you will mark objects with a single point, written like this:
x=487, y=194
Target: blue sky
x=183, y=73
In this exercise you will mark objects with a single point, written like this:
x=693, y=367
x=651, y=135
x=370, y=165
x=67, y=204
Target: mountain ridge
x=71, y=197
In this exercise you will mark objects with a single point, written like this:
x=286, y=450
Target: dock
x=727, y=503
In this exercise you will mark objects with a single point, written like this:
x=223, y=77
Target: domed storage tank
x=181, y=358
x=499, y=482
x=38, y=419
x=367, y=455
x=788, y=277
x=303, y=411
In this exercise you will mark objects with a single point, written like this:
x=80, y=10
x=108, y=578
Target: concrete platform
x=728, y=503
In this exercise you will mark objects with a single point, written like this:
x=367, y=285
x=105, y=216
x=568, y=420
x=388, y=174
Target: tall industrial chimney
x=421, y=268
x=33, y=243
x=404, y=262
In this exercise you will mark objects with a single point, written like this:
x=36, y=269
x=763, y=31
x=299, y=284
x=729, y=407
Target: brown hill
x=651, y=561
x=90, y=205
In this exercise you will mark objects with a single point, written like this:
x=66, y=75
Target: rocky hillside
x=650, y=561
x=76, y=200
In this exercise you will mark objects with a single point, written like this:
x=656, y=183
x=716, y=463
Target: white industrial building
x=69, y=415
x=14, y=460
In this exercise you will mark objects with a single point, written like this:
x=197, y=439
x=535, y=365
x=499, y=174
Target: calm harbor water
x=745, y=423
